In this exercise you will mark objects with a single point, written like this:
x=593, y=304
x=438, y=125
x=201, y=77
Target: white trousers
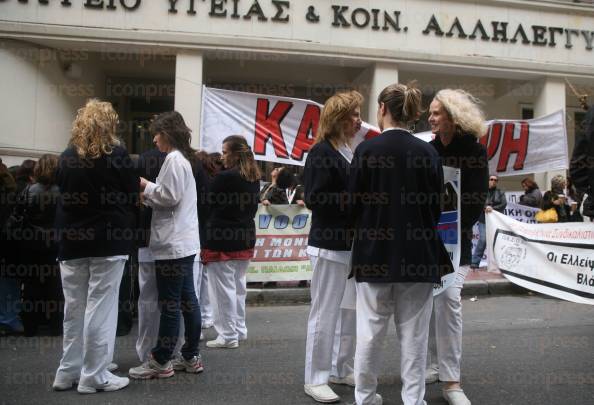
x=326, y=351
x=227, y=284
x=411, y=305
x=345, y=338
x=201, y=288
x=91, y=287
x=445, y=338
x=149, y=312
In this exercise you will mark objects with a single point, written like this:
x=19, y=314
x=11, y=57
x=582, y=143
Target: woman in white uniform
x=329, y=247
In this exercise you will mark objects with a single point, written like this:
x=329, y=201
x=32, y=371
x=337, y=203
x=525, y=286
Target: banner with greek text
x=518, y=212
x=516, y=147
x=552, y=259
x=281, y=243
x=278, y=129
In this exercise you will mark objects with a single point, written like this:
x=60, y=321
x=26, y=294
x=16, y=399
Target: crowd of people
x=71, y=223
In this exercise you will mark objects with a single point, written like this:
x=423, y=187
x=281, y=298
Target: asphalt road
x=517, y=350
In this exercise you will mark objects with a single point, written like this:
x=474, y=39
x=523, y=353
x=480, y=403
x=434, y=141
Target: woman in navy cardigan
x=329, y=247
x=98, y=194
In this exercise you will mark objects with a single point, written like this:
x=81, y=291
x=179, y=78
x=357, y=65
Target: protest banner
x=518, y=212
x=552, y=259
x=281, y=242
x=282, y=130
x=516, y=147
x=278, y=129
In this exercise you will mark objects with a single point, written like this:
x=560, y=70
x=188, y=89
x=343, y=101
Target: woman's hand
x=266, y=202
x=301, y=203
x=143, y=183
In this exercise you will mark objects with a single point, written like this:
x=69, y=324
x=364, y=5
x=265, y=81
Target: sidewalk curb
x=296, y=296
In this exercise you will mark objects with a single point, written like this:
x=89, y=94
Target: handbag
x=547, y=216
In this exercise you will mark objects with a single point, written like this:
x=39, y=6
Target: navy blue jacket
x=395, y=191
x=326, y=181
x=96, y=212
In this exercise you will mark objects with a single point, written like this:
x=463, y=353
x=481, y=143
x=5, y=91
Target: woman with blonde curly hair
x=329, y=350
x=457, y=122
x=98, y=194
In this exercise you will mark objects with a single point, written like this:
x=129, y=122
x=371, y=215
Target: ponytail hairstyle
x=464, y=111
x=172, y=127
x=402, y=101
x=335, y=114
x=243, y=156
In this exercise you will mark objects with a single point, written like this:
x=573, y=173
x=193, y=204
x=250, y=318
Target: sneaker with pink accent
x=194, y=365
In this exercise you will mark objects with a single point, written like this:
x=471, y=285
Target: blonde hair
x=464, y=111
x=94, y=130
x=403, y=101
x=334, y=115
x=241, y=151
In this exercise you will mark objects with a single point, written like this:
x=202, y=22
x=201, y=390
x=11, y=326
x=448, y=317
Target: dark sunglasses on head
x=493, y=180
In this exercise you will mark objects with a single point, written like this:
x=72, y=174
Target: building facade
x=517, y=56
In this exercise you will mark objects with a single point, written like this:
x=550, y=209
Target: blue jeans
x=477, y=255
x=10, y=303
x=175, y=285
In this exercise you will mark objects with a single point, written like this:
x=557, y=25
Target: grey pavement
x=520, y=350
x=478, y=283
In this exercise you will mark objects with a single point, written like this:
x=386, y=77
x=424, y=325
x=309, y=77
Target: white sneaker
x=63, y=384
x=111, y=367
x=220, y=343
x=378, y=400
x=432, y=374
x=321, y=393
x=113, y=384
x=193, y=366
x=151, y=369
x=348, y=380
x=455, y=396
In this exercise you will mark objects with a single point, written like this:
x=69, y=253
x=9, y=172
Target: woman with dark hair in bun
x=395, y=193
x=230, y=237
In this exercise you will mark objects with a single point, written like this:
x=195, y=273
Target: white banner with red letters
x=278, y=129
x=516, y=147
x=553, y=259
x=282, y=130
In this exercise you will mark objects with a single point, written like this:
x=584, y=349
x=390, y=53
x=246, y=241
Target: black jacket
x=581, y=168
x=531, y=198
x=465, y=153
x=274, y=194
x=496, y=200
x=97, y=207
x=395, y=188
x=233, y=203
x=326, y=181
